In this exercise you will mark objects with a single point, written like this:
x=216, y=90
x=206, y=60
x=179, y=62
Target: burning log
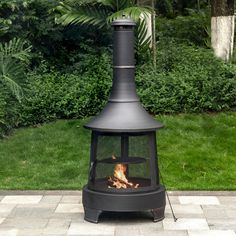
x=114, y=180
x=119, y=179
x=119, y=183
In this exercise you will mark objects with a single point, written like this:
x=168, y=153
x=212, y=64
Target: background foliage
x=68, y=72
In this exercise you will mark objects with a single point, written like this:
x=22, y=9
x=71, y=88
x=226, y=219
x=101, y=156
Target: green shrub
x=2, y=115
x=9, y=111
x=52, y=95
x=193, y=29
x=187, y=79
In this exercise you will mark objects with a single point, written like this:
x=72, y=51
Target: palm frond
x=143, y=39
x=133, y=12
x=16, y=48
x=14, y=56
x=15, y=88
x=84, y=15
x=101, y=13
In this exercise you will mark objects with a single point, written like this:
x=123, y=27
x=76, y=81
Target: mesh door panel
x=109, y=147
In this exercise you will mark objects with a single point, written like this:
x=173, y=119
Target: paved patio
x=60, y=213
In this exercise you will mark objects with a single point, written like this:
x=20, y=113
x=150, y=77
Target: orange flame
x=119, y=180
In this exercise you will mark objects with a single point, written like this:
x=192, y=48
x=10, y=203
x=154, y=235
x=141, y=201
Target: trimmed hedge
x=187, y=79
x=52, y=95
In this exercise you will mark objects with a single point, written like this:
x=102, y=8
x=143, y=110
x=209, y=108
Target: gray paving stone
x=34, y=211
x=87, y=228
x=227, y=200
x=199, y=200
x=69, y=216
x=25, y=223
x=5, y=209
x=69, y=208
x=71, y=199
x=55, y=231
x=30, y=232
x=185, y=224
x=125, y=232
x=143, y=229
x=141, y=226
x=59, y=223
x=173, y=200
x=25, y=199
x=166, y=233
x=221, y=211
x=211, y=233
x=8, y=232
x=63, y=192
x=231, y=213
x=184, y=211
x=219, y=207
x=55, y=199
x=1, y=220
x=61, y=213
x=210, y=212
x=222, y=223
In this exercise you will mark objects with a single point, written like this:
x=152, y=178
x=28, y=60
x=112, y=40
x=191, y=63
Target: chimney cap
x=123, y=21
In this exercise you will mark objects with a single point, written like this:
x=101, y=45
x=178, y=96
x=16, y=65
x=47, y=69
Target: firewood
x=123, y=182
x=113, y=180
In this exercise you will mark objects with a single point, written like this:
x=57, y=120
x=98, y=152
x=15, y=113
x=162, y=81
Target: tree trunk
x=222, y=28
x=154, y=34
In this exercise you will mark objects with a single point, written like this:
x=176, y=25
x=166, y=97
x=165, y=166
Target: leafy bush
x=187, y=79
x=193, y=29
x=52, y=95
x=9, y=111
x=14, y=58
x=2, y=115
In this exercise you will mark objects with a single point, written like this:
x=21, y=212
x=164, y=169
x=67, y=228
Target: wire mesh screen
x=109, y=154
x=108, y=146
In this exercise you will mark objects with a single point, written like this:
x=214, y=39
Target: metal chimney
x=123, y=111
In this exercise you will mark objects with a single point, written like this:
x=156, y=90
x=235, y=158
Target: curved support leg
x=91, y=215
x=158, y=214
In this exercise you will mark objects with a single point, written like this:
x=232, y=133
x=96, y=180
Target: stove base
x=95, y=203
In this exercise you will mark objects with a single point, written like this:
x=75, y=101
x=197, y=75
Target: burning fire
x=119, y=180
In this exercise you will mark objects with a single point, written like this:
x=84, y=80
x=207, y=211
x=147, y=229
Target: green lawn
x=196, y=152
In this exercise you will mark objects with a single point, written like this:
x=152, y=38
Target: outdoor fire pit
x=123, y=172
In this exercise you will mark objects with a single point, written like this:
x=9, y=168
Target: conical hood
x=123, y=112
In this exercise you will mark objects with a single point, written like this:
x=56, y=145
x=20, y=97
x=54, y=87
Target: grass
x=195, y=151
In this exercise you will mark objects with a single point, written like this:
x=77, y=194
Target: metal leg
x=92, y=215
x=158, y=214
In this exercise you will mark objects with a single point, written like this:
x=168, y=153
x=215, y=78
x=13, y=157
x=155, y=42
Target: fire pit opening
x=122, y=162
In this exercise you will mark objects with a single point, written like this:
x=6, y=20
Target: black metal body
x=123, y=133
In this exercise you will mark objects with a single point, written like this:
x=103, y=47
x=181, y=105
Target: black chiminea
x=123, y=173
